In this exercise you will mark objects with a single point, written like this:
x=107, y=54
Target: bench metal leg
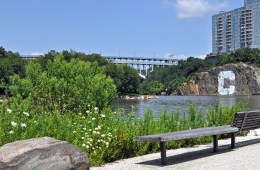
x=215, y=143
x=233, y=140
x=163, y=153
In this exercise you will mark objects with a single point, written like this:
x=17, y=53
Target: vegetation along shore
x=67, y=95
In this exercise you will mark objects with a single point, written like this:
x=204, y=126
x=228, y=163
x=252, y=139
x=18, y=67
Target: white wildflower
x=103, y=115
x=14, y=124
x=90, y=130
x=98, y=133
x=94, y=132
x=83, y=117
x=103, y=135
x=23, y=125
x=9, y=110
x=26, y=114
x=84, y=128
x=84, y=145
x=74, y=131
x=11, y=132
x=87, y=111
x=96, y=108
x=87, y=146
x=93, y=118
x=83, y=138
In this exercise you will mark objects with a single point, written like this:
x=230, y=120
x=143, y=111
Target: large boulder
x=42, y=154
x=230, y=79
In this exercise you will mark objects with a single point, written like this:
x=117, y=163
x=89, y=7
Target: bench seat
x=242, y=121
x=186, y=134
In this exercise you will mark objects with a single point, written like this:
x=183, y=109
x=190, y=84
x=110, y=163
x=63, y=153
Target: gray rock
x=246, y=81
x=42, y=154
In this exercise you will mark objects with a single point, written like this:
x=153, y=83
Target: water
x=171, y=103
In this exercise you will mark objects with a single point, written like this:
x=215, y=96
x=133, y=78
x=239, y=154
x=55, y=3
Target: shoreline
x=137, y=97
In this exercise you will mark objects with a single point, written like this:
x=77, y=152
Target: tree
x=152, y=87
x=63, y=86
x=10, y=64
x=125, y=77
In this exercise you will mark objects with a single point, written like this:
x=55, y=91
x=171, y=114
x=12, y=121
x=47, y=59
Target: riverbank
x=244, y=156
x=137, y=97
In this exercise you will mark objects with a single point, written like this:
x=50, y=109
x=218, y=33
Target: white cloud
x=36, y=53
x=195, y=8
x=184, y=56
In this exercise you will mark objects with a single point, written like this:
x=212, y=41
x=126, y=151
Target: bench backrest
x=247, y=120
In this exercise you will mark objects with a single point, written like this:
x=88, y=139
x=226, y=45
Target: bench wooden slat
x=251, y=120
x=186, y=134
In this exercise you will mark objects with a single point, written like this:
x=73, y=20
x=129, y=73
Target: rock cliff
x=230, y=79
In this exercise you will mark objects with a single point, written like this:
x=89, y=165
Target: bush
x=63, y=86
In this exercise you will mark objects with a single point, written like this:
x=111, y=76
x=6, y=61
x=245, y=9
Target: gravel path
x=246, y=155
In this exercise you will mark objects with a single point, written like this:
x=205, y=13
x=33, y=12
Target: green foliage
x=125, y=77
x=174, y=76
x=105, y=135
x=64, y=86
x=10, y=64
x=68, y=55
x=246, y=55
x=151, y=87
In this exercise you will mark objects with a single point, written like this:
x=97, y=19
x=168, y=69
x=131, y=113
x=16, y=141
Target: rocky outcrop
x=230, y=79
x=42, y=153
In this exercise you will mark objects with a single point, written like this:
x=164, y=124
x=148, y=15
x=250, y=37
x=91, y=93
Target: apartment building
x=236, y=29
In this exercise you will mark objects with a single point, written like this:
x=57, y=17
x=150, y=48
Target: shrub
x=63, y=86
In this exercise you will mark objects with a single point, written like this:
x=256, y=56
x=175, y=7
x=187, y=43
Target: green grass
x=105, y=135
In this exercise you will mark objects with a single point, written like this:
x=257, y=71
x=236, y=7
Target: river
x=171, y=103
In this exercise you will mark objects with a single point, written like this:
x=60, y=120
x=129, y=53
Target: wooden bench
x=242, y=121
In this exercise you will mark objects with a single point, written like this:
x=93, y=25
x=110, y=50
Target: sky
x=130, y=28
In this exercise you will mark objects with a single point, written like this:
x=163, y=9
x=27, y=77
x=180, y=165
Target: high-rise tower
x=236, y=29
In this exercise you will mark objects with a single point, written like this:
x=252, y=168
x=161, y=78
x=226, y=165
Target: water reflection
x=171, y=103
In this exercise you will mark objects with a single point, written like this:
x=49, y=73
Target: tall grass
x=105, y=135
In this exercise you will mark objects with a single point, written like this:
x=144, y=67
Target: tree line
x=126, y=78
